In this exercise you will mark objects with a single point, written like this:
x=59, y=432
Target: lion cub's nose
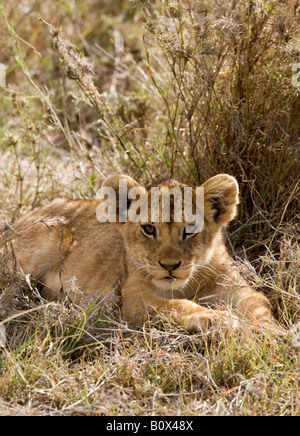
x=170, y=267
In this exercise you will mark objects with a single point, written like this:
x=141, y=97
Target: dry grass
x=161, y=88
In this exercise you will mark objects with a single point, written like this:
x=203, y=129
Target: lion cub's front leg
x=224, y=285
x=192, y=316
x=138, y=305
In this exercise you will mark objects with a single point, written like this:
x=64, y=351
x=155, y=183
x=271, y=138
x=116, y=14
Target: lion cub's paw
x=208, y=321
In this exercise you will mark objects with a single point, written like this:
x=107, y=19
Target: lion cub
x=162, y=266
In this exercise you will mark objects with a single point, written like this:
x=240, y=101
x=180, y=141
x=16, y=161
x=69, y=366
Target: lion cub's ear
x=114, y=182
x=220, y=199
x=119, y=190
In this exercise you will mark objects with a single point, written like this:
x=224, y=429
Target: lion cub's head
x=168, y=252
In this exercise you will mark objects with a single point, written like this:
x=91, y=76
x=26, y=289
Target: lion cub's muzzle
x=173, y=271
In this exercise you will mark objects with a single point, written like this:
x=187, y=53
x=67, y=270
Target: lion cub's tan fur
x=64, y=240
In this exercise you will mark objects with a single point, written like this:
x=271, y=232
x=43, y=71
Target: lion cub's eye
x=149, y=230
x=187, y=235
